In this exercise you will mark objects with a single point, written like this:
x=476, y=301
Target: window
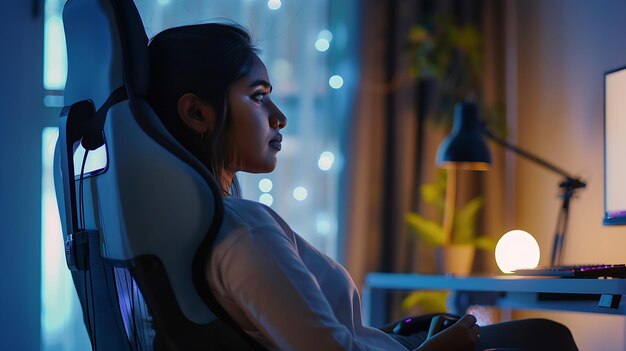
x=301, y=48
x=54, y=54
x=62, y=327
x=297, y=44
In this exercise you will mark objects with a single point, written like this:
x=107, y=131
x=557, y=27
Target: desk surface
x=513, y=292
x=412, y=281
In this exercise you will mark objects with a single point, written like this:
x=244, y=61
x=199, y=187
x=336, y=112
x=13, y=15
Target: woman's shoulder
x=250, y=213
x=245, y=217
x=247, y=222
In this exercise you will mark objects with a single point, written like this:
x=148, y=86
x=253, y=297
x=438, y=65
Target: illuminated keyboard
x=578, y=271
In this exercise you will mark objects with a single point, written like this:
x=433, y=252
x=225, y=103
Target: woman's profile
x=213, y=93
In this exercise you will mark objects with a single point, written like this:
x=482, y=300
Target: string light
x=335, y=81
x=322, y=44
x=300, y=193
x=266, y=199
x=326, y=160
x=265, y=185
x=274, y=4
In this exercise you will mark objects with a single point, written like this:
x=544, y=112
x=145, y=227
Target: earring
x=202, y=136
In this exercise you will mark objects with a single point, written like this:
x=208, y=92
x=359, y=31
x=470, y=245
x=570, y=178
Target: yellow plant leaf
x=428, y=301
x=429, y=231
x=465, y=221
x=485, y=243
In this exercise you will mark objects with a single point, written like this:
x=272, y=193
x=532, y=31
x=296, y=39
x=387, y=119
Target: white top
x=281, y=290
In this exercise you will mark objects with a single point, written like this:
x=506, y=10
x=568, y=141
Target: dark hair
x=203, y=59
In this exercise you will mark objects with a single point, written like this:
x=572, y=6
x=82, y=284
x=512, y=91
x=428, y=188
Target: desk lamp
x=465, y=148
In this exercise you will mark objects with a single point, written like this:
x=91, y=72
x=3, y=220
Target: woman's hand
x=461, y=336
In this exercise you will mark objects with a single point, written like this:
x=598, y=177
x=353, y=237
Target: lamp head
x=465, y=146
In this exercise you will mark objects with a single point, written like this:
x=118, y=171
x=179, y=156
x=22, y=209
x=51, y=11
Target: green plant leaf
x=428, y=301
x=485, y=243
x=451, y=51
x=465, y=221
x=429, y=231
x=442, y=179
x=418, y=35
x=431, y=193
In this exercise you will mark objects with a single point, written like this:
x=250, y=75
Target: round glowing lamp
x=517, y=249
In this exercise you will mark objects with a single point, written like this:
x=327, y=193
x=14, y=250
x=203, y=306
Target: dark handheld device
x=440, y=323
x=431, y=323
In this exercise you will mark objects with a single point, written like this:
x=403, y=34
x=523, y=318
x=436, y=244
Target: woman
x=213, y=94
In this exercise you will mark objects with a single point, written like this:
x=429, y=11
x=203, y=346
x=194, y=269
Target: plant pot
x=455, y=259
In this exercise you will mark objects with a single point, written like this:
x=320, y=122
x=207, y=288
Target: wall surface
x=562, y=49
x=22, y=117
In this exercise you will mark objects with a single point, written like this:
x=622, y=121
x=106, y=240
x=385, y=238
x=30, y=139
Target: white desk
x=503, y=291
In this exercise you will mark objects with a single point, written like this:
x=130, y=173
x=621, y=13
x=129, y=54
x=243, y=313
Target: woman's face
x=254, y=135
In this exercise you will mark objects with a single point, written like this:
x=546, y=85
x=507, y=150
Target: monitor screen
x=615, y=146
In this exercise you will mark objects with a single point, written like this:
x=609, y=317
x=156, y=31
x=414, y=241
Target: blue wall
x=22, y=117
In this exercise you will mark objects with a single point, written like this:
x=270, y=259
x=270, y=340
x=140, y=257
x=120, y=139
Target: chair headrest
x=106, y=43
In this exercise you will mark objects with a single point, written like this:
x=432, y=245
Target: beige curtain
x=382, y=168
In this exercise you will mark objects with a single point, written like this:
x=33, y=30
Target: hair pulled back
x=202, y=59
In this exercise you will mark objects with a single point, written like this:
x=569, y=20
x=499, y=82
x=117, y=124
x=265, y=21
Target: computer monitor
x=615, y=146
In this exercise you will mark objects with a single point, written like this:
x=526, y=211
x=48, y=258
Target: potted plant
x=446, y=59
x=449, y=58
x=455, y=251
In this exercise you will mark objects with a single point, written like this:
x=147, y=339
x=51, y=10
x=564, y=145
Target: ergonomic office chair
x=138, y=230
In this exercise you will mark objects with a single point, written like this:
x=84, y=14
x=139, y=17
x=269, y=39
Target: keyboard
x=578, y=271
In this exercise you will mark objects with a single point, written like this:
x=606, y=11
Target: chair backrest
x=139, y=230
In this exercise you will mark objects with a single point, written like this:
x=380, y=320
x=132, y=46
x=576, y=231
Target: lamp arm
x=574, y=181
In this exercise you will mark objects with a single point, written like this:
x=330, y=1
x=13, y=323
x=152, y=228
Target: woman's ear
x=196, y=114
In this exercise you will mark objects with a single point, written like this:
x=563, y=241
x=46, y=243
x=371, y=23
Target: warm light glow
x=326, y=160
x=517, y=249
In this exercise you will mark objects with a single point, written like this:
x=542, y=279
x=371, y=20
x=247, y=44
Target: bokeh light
x=274, y=4
x=326, y=160
x=325, y=34
x=265, y=185
x=300, y=193
x=322, y=44
x=266, y=199
x=335, y=81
